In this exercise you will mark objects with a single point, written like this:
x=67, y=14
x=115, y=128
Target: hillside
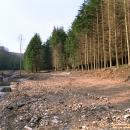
x=9, y=60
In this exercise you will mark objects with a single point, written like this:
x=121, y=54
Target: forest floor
x=95, y=100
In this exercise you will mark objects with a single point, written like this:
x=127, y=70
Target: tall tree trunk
x=94, y=52
x=116, y=50
x=128, y=10
x=98, y=57
x=101, y=62
x=126, y=31
x=103, y=36
x=109, y=25
x=88, y=54
x=122, y=56
x=81, y=62
x=81, y=56
x=126, y=53
x=86, y=37
x=91, y=53
x=85, y=51
x=55, y=60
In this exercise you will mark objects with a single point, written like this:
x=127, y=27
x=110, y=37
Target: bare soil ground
x=69, y=101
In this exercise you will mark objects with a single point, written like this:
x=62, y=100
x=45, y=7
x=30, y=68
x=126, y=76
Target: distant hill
x=9, y=60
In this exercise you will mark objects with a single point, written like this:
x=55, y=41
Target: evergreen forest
x=99, y=37
x=9, y=60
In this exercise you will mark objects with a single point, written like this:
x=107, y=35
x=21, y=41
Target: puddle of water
x=4, y=90
x=2, y=94
x=4, y=84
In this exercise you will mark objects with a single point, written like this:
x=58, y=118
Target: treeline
x=9, y=60
x=37, y=55
x=99, y=37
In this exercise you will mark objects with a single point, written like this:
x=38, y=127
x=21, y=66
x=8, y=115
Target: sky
x=27, y=17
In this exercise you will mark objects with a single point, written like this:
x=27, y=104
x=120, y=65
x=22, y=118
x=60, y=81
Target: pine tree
x=58, y=39
x=32, y=56
x=47, y=55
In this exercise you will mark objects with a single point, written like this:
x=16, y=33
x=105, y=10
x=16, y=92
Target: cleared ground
x=69, y=101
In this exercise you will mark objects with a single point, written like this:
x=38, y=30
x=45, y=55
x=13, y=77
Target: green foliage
x=84, y=20
x=71, y=46
x=86, y=45
x=61, y=50
x=47, y=55
x=58, y=36
x=82, y=24
x=8, y=60
x=58, y=39
x=32, y=56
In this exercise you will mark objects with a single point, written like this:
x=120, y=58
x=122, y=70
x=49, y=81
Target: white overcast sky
x=28, y=17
